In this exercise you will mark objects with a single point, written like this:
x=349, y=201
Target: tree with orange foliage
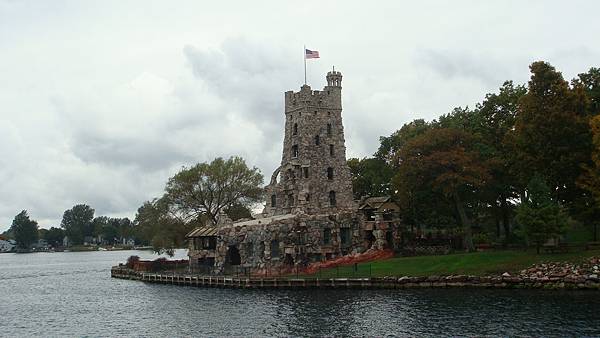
x=444, y=160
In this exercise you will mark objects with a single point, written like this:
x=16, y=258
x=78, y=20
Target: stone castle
x=310, y=214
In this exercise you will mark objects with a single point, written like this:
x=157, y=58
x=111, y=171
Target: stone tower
x=314, y=177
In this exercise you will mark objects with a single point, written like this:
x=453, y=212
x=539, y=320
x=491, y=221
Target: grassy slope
x=478, y=263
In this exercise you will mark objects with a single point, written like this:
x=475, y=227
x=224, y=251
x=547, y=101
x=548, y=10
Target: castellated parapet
x=314, y=177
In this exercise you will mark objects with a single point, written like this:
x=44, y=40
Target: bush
x=481, y=238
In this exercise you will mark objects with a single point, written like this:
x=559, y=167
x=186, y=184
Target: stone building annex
x=309, y=215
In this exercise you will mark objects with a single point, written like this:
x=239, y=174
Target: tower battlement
x=329, y=97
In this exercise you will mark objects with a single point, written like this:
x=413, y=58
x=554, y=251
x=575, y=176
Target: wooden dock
x=245, y=282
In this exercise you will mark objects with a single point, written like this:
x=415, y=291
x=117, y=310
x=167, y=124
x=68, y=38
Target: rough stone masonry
x=309, y=214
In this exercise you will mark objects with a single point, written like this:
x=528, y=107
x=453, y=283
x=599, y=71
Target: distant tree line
x=196, y=196
x=78, y=226
x=524, y=162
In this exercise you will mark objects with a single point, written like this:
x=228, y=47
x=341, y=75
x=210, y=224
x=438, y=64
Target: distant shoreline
x=79, y=249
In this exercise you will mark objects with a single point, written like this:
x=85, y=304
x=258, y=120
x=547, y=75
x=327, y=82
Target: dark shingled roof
x=202, y=232
x=374, y=202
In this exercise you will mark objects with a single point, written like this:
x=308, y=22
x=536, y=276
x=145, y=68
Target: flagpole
x=304, y=53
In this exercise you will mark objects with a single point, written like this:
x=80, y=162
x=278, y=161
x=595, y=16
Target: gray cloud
x=101, y=103
x=453, y=64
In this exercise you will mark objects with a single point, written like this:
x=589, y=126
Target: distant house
x=128, y=241
x=7, y=245
x=41, y=244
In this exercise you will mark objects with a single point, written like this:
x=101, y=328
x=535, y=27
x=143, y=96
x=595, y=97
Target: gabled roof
x=202, y=232
x=374, y=202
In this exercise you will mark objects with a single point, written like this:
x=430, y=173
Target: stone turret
x=314, y=177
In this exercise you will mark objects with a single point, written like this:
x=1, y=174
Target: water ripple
x=72, y=294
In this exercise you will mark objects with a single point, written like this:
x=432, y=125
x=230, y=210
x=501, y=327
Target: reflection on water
x=72, y=294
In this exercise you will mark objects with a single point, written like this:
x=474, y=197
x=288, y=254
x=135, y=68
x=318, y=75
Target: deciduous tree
x=541, y=217
x=25, y=230
x=206, y=189
x=370, y=176
x=551, y=136
x=77, y=223
x=444, y=160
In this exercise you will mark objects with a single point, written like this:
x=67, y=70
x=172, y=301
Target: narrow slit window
x=330, y=173
x=331, y=152
x=326, y=236
x=328, y=128
x=332, y=201
x=317, y=140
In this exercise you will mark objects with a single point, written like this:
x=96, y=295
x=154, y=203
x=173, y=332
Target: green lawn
x=477, y=263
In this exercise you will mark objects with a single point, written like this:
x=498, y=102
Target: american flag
x=311, y=54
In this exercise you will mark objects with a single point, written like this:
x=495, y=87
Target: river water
x=72, y=294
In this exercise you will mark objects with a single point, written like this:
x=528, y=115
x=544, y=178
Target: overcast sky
x=102, y=101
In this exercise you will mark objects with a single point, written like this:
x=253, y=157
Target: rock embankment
x=562, y=275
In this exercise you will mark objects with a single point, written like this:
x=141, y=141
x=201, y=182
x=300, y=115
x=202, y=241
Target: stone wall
x=287, y=241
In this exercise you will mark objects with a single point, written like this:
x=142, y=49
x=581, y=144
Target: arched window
x=330, y=173
x=295, y=129
x=295, y=150
x=332, y=201
x=317, y=140
x=273, y=201
x=328, y=128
